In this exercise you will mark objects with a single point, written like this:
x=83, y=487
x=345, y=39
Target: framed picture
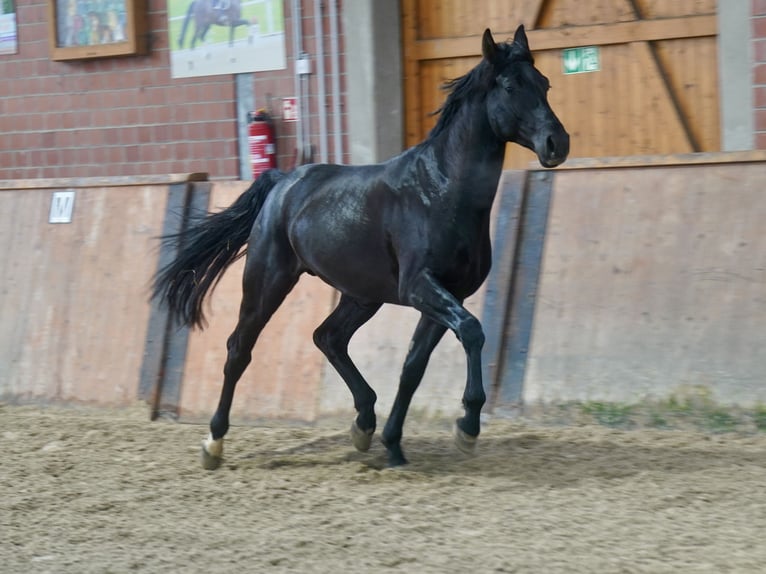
x=8, y=37
x=81, y=29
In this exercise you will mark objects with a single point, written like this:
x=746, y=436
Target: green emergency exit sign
x=580, y=60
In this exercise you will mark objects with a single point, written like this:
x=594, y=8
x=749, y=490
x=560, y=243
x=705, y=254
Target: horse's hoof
x=464, y=442
x=396, y=458
x=212, y=453
x=362, y=439
x=210, y=462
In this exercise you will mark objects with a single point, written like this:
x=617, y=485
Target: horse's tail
x=206, y=250
x=186, y=24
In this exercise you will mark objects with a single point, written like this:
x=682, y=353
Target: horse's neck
x=471, y=156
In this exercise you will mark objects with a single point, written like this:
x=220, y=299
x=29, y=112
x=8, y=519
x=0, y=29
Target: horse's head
x=517, y=103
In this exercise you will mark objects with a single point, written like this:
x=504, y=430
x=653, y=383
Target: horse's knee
x=471, y=333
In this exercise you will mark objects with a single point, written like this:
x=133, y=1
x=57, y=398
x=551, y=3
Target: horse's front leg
x=429, y=297
x=427, y=335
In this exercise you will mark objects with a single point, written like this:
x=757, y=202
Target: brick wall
x=126, y=115
x=759, y=70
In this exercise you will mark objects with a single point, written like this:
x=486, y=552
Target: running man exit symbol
x=581, y=60
x=62, y=204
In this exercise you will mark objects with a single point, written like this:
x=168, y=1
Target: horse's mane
x=480, y=77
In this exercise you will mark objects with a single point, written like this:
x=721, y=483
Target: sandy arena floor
x=101, y=491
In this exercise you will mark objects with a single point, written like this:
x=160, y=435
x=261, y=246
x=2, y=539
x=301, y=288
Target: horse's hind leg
x=332, y=338
x=427, y=335
x=270, y=274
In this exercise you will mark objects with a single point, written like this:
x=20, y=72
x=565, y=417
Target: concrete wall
x=758, y=71
x=374, y=71
x=735, y=63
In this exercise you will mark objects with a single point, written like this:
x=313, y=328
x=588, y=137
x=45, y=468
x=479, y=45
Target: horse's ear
x=520, y=38
x=488, y=46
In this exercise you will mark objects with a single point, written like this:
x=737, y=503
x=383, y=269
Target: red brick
x=759, y=8
x=759, y=74
x=760, y=140
x=760, y=120
x=759, y=97
x=759, y=27
x=759, y=50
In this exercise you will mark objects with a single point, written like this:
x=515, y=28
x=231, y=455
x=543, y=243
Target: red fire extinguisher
x=263, y=148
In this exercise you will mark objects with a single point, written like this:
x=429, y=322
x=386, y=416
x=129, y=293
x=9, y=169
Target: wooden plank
x=103, y=182
x=648, y=54
x=412, y=102
x=523, y=289
x=567, y=13
x=538, y=13
x=155, y=346
x=682, y=159
x=662, y=69
x=167, y=399
x=693, y=79
x=497, y=288
x=598, y=35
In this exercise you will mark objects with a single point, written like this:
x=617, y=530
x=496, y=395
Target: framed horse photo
x=81, y=30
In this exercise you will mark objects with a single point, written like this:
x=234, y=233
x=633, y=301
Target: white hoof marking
x=214, y=447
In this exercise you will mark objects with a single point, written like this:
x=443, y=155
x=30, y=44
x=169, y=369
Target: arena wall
x=620, y=280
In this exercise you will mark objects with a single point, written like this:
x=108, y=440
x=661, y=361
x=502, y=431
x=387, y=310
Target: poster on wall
x=8, y=36
x=211, y=37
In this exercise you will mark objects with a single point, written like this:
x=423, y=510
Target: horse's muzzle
x=554, y=147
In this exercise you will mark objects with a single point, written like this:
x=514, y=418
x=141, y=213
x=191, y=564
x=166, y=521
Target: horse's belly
x=355, y=266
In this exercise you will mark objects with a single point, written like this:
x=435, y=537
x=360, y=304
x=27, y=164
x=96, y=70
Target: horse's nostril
x=550, y=146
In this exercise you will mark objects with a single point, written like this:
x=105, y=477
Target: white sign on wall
x=62, y=205
x=290, y=109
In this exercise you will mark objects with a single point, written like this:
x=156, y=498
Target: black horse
x=411, y=231
x=206, y=14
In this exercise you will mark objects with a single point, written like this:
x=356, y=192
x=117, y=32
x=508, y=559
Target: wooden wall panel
x=74, y=296
x=665, y=9
x=652, y=282
x=566, y=13
x=695, y=84
x=452, y=18
x=656, y=91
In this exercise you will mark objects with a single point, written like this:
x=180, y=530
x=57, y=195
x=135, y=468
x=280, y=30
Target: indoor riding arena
x=623, y=319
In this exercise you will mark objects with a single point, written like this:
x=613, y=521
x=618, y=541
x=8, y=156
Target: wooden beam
x=597, y=35
x=538, y=13
x=412, y=99
x=680, y=159
x=108, y=181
